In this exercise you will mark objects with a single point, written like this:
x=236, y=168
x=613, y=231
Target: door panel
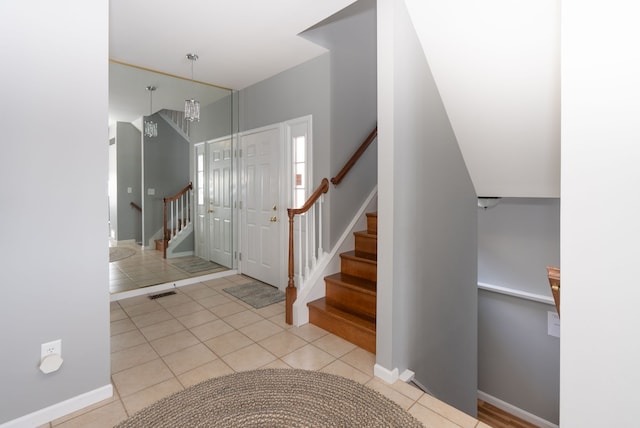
x=219, y=209
x=261, y=236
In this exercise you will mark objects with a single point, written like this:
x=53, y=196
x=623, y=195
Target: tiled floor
x=162, y=346
x=147, y=267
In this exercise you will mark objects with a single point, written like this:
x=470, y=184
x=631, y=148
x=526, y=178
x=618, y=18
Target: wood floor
x=498, y=418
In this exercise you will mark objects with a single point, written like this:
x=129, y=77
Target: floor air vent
x=156, y=296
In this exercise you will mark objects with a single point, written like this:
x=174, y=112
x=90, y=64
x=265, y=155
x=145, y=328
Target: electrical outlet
x=51, y=348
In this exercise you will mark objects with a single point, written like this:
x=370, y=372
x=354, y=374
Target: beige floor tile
x=345, y=370
x=308, y=357
x=103, y=417
x=279, y=320
x=386, y=390
x=282, y=343
x=429, y=418
x=447, y=411
x=142, y=308
x=360, y=359
x=242, y=319
x=174, y=342
x=161, y=329
x=407, y=389
x=214, y=301
x=189, y=358
x=150, y=318
x=226, y=309
x=228, y=342
x=309, y=332
x=118, y=314
x=174, y=300
x=215, y=368
x=482, y=425
x=141, y=377
x=334, y=345
x=185, y=308
x=211, y=329
x=197, y=318
x=277, y=364
x=134, y=301
x=260, y=330
x=131, y=357
x=126, y=340
x=218, y=283
x=249, y=358
x=148, y=396
x=239, y=279
x=122, y=326
x=271, y=310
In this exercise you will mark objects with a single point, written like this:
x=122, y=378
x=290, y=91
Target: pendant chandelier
x=191, y=106
x=150, y=127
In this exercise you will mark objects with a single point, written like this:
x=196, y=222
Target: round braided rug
x=274, y=398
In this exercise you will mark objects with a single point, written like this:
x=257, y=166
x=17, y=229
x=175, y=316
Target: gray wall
x=166, y=169
x=215, y=121
x=350, y=35
x=55, y=176
x=299, y=91
x=129, y=166
x=427, y=246
x=518, y=362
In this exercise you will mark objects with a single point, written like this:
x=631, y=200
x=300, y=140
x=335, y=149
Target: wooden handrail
x=292, y=292
x=553, y=273
x=136, y=206
x=352, y=161
x=166, y=232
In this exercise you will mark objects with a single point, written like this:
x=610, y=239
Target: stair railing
x=310, y=229
x=176, y=215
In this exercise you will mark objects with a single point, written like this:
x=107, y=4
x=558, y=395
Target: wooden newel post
x=291, y=294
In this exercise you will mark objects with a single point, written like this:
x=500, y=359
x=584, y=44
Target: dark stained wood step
x=363, y=266
x=372, y=223
x=366, y=243
x=357, y=329
x=351, y=293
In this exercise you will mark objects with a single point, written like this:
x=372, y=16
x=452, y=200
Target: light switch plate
x=151, y=191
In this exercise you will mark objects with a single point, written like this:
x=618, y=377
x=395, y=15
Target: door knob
x=274, y=208
x=273, y=219
x=210, y=211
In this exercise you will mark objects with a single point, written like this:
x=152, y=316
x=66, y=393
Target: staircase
x=349, y=308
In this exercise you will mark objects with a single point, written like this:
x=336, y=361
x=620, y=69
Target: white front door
x=219, y=201
x=261, y=248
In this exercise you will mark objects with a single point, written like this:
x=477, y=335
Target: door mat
x=257, y=294
x=196, y=264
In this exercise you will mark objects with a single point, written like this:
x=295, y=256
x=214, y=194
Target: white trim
x=314, y=287
x=517, y=293
x=389, y=376
x=43, y=416
x=407, y=376
x=516, y=411
x=169, y=285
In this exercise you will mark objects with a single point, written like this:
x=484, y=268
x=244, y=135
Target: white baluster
x=314, y=256
x=300, y=264
x=320, y=249
x=306, y=245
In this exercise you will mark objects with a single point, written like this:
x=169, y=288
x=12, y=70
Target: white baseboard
x=389, y=376
x=515, y=411
x=407, y=376
x=42, y=416
x=169, y=285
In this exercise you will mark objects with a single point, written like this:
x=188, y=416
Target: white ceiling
x=239, y=43
x=497, y=67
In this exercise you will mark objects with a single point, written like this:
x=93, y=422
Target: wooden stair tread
x=363, y=257
x=361, y=284
x=362, y=321
x=366, y=234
